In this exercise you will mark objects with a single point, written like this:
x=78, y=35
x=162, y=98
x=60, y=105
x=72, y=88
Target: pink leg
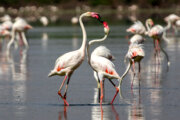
x=117, y=90
x=101, y=84
x=59, y=92
x=133, y=64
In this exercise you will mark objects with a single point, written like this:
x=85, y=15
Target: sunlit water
x=27, y=93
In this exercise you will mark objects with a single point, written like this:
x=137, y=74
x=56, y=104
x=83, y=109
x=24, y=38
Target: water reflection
x=135, y=111
x=103, y=112
x=44, y=40
x=63, y=114
x=18, y=68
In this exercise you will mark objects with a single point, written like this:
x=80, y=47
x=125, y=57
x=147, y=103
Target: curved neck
x=83, y=45
x=147, y=26
x=90, y=43
x=126, y=71
x=167, y=26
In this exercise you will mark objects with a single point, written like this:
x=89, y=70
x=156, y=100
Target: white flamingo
x=20, y=26
x=68, y=62
x=103, y=52
x=172, y=18
x=104, y=67
x=137, y=28
x=136, y=39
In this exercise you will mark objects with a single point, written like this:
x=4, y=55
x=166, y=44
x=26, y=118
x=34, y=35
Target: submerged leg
x=133, y=64
x=101, y=84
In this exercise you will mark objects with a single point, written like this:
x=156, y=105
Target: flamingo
x=4, y=32
x=104, y=67
x=137, y=28
x=135, y=54
x=172, y=18
x=136, y=39
x=44, y=20
x=19, y=26
x=103, y=52
x=68, y=62
x=156, y=32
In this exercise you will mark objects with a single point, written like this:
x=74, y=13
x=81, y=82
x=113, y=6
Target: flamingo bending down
x=68, y=62
x=172, y=18
x=135, y=54
x=157, y=33
x=103, y=52
x=137, y=28
x=104, y=67
x=136, y=39
x=19, y=26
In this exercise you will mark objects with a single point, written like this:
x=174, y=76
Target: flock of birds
x=101, y=58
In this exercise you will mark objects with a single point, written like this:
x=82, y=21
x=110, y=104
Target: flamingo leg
x=59, y=91
x=65, y=93
x=117, y=90
x=24, y=39
x=133, y=64
x=101, y=84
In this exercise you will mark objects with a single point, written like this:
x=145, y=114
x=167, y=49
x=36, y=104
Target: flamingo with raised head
x=157, y=33
x=67, y=63
x=135, y=54
x=104, y=67
x=20, y=26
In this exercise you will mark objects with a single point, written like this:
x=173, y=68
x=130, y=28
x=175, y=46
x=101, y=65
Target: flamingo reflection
x=102, y=112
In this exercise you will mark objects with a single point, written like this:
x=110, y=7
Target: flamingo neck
x=148, y=27
x=83, y=46
x=168, y=26
x=126, y=71
x=90, y=43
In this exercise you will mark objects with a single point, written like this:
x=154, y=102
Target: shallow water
x=27, y=93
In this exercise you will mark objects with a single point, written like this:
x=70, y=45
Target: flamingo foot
x=64, y=99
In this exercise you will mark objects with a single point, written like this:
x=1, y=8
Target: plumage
x=137, y=28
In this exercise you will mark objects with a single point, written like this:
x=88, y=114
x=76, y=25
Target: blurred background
x=61, y=11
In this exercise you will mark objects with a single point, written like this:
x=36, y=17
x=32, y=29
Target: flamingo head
x=94, y=15
x=106, y=27
x=150, y=22
x=28, y=27
x=5, y=33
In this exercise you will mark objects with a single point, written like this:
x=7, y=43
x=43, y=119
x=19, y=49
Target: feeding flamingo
x=104, y=67
x=136, y=39
x=172, y=18
x=68, y=62
x=135, y=54
x=20, y=26
x=103, y=52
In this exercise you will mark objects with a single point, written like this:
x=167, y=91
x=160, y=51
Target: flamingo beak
x=97, y=16
x=28, y=27
x=106, y=27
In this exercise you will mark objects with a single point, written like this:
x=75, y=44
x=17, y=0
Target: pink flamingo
x=19, y=26
x=68, y=62
x=104, y=67
x=157, y=33
x=103, y=52
x=135, y=54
